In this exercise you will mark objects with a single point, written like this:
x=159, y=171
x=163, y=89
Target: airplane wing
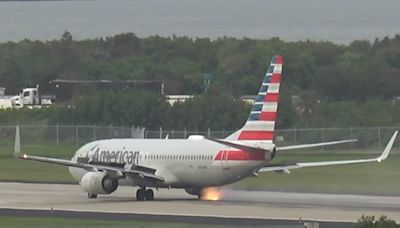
x=120, y=172
x=303, y=146
x=286, y=167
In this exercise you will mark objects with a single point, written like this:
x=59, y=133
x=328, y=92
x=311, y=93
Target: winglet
x=17, y=144
x=388, y=147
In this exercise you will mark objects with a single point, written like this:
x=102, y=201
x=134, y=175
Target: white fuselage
x=183, y=163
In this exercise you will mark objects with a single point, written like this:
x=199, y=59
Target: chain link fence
x=368, y=137
x=371, y=138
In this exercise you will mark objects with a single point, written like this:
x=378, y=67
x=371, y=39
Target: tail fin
x=260, y=124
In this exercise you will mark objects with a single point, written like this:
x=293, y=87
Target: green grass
x=14, y=169
x=372, y=178
x=14, y=221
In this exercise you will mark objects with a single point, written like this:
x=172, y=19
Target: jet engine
x=193, y=191
x=98, y=183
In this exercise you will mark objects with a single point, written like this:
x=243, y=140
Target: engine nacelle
x=98, y=183
x=193, y=191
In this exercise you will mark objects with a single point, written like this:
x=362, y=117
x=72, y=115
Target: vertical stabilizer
x=260, y=124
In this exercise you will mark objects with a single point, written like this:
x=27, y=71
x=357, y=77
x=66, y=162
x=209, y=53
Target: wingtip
x=17, y=144
x=388, y=147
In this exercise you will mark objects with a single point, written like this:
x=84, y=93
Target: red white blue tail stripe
x=260, y=124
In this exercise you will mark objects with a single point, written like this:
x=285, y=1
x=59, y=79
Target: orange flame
x=211, y=193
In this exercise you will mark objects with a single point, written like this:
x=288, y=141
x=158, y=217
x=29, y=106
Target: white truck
x=30, y=97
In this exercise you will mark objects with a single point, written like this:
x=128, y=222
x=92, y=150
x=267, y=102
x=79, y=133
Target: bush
x=371, y=222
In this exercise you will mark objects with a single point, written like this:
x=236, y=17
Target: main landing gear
x=142, y=194
x=92, y=196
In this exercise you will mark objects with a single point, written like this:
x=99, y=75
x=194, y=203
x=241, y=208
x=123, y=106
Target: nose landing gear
x=142, y=194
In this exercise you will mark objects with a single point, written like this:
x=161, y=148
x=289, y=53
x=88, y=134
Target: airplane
x=194, y=163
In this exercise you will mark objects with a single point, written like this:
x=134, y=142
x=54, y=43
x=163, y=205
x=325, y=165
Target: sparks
x=212, y=194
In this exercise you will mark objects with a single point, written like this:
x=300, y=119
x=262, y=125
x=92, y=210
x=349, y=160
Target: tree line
x=324, y=84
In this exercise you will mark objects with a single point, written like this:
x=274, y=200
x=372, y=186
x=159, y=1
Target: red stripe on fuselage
x=239, y=155
x=256, y=135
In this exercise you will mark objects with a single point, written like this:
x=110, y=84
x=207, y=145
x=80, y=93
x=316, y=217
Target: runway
x=234, y=204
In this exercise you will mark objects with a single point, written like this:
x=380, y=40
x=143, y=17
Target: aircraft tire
x=149, y=194
x=141, y=194
x=92, y=196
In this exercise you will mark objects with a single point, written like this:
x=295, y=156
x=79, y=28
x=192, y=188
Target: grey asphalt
x=234, y=205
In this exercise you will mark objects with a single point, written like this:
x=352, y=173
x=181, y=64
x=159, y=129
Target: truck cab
x=28, y=96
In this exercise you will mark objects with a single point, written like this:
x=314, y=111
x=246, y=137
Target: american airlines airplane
x=194, y=163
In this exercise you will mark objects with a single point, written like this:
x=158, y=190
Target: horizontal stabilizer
x=255, y=146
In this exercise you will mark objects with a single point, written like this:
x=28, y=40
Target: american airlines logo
x=96, y=155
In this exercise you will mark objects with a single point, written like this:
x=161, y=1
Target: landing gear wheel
x=149, y=194
x=92, y=196
x=141, y=194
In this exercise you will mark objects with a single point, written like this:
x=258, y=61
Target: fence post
x=294, y=136
x=94, y=131
x=132, y=131
x=351, y=137
x=37, y=133
x=323, y=137
x=109, y=131
x=57, y=134
x=76, y=134
x=379, y=137
x=185, y=133
x=209, y=133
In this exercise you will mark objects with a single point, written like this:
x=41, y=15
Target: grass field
x=11, y=221
x=13, y=169
x=372, y=178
